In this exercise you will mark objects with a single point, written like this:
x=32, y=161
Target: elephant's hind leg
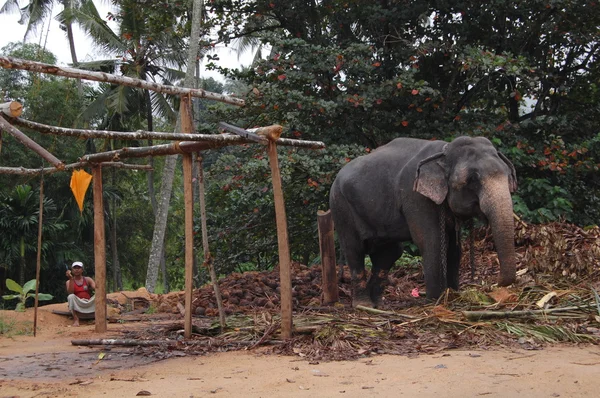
x=355, y=256
x=383, y=259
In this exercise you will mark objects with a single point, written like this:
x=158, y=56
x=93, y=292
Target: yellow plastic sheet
x=80, y=181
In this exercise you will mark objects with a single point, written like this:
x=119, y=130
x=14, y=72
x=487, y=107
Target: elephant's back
x=373, y=175
x=391, y=157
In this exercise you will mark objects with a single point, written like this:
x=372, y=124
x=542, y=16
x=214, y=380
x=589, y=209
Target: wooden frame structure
x=185, y=143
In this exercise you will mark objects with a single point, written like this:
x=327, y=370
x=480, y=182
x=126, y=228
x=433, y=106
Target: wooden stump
x=327, y=249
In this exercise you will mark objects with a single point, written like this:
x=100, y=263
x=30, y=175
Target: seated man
x=80, y=289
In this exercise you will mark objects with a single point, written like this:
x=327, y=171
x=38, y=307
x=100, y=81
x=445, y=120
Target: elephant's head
x=475, y=180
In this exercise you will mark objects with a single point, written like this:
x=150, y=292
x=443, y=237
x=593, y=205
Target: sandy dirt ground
x=48, y=365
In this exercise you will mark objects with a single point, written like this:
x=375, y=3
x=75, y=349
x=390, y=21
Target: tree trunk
x=163, y=269
x=160, y=221
x=72, y=49
x=160, y=224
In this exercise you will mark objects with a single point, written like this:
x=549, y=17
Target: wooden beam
x=51, y=170
x=12, y=108
x=99, y=250
x=243, y=133
x=220, y=140
x=31, y=144
x=187, y=126
x=327, y=248
x=16, y=63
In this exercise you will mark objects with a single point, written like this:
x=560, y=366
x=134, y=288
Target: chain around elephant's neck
x=444, y=245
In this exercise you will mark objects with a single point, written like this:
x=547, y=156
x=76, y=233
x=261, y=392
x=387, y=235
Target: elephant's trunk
x=496, y=204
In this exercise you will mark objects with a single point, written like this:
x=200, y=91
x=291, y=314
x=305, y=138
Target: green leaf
x=13, y=286
x=28, y=286
x=41, y=296
x=11, y=296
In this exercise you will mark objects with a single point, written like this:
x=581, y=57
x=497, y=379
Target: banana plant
x=23, y=293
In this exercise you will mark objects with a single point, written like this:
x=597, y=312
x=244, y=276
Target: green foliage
x=23, y=293
x=550, y=202
x=10, y=327
x=522, y=73
x=240, y=204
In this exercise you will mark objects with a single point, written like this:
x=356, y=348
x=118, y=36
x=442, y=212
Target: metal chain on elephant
x=471, y=248
x=444, y=245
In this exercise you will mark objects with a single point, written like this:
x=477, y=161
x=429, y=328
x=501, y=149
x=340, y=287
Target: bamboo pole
x=187, y=127
x=52, y=170
x=327, y=249
x=16, y=63
x=31, y=144
x=39, y=255
x=208, y=263
x=99, y=250
x=285, y=272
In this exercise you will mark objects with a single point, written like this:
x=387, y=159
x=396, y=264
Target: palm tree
x=19, y=214
x=147, y=45
x=36, y=12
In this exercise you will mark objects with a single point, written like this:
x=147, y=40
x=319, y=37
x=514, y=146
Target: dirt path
x=49, y=366
x=563, y=371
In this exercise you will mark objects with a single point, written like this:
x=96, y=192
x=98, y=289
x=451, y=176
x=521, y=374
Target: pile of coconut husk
x=555, y=299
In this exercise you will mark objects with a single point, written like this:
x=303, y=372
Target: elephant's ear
x=430, y=179
x=512, y=178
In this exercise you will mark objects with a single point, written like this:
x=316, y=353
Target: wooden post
x=285, y=272
x=208, y=263
x=39, y=254
x=187, y=126
x=327, y=248
x=99, y=250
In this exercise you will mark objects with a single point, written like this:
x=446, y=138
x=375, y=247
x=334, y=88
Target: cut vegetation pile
x=554, y=300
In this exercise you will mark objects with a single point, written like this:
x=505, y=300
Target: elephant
x=421, y=190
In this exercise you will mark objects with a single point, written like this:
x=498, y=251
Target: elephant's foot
x=376, y=287
x=360, y=291
x=362, y=300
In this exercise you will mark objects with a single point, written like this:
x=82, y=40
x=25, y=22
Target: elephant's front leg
x=427, y=235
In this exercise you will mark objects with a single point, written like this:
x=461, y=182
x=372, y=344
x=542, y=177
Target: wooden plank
x=327, y=249
x=285, y=271
x=187, y=126
x=99, y=250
